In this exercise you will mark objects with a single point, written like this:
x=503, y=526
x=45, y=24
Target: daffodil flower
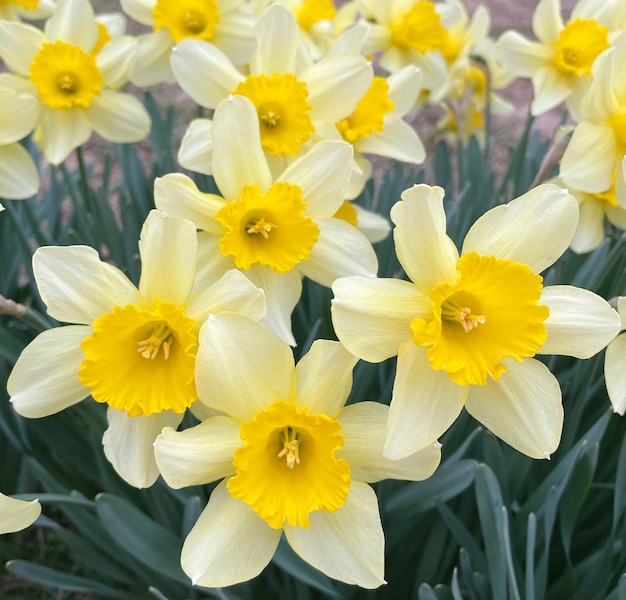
x=227, y=24
x=615, y=364
x=273, y=229
x=18, y=173
x=292, y=457
x=293, y=98
x=131, y=348
x=16, y=515
x=73, y=79
x=560, y=62
x=466, y=327
x=602, y=129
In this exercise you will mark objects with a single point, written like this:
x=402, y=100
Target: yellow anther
x=262, y=227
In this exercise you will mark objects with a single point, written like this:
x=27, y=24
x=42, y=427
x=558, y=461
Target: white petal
x=241, y=160
x=404, y=88
x=335, y=85
x=615, y=373
x=424, y=403
x=324, y=378
x=118, y=117
x=196, y=148
x=372, y=317
x=520, y=56
x=589, y=173
x=19, y=44
x=16, y=515
x=277, y=36
x=204, y=72
x=398, y=140
x=347, y=544
x=228, y=544
x=547, y=22
x=233, y=292
x=177, y=195
x=241, y=366
x=322, y=174
x=580, y=324
x=62, y=131
x=363, y=426
x=74, y=22
x=198, y=455
x=234, y=34
x=152, y=61
x=129, y=444
x=590, y=231
x=116, y=61
x=282, y=291
x=168, y=247
x=139, y=10
x=44, y=379
x=523, y=408
x=77, y=287
x=18, y=117
x=18, y=173
x=534, y=229
x=372, y=225
x=550, y=90
x=426, y=253
x=341, y=250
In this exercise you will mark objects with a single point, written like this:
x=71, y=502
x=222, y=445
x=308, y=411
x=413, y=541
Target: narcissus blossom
x=560, y=62
x=466, y=327
x=73, y=78
x=227, y=24
x=292, y=457
x=615, y=364
x=131, y=348
x=275, y=230
x=293, y=98
x=18, y=173
x=26, y=9
x=593, y=159
x=16, y=515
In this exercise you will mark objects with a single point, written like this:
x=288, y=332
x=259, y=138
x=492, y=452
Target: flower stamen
x=451, y=311
x=290, y=447
x=260, y=226
x=160, y=338
x=270, y=118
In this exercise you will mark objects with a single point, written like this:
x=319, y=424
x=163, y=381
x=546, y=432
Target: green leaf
x=64, y=581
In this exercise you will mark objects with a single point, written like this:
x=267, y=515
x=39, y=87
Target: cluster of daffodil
x=297, y=110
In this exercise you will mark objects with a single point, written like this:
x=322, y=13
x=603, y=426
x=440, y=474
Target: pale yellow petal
x=547, y=21
x=77, y=287
x=177, y=195
x=363, y=426
x=18, y=173
x=424, y=403
x=534, y=229
x=16, y=515
x=152, y=61
x=198, y=455
x=62, y=131
x=44, y=379
x=241, y=366
x=196, y=148
x=168, y=247
x=523, y=407
x=426, y=253
x=19, y=43
x=521, y=56
x=75, y=23
x=118, y=117
x=18, y=116
x=550, y=90
x=615, y=373
x=324, y=378
x=347, y=544
x=277, y=36
x=580, y=324
x=372, y=317
x=228, y=544
x=129, y=444
x=398, y=140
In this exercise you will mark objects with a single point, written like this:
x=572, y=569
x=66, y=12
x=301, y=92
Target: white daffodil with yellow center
x=75, y=88
x=18, y=173
x=592, y=161
x=293, y=459
x=560, y=62
x=292, y=96
x=16, y=515
x=274, y=229
x=131, y=348
x=466, y=328
x=615, y=363
x=226, y=24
